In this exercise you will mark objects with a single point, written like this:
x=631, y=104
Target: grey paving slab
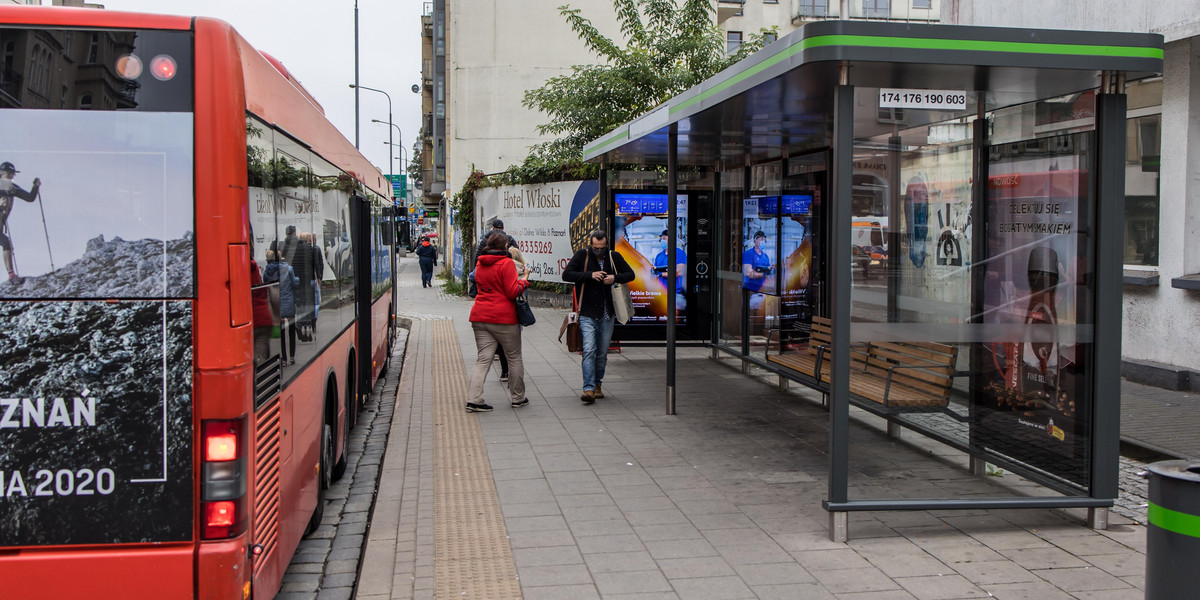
x=617, y=500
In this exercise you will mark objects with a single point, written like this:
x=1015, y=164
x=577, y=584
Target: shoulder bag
x=570, y=325
x=622, y=304
x=524, y=312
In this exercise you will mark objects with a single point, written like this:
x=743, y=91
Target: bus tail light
x=223, y=479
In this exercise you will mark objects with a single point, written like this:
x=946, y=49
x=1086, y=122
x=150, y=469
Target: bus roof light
x=163, y=67
x=129, y=66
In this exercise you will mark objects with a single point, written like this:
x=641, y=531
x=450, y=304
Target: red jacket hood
x=488, y=260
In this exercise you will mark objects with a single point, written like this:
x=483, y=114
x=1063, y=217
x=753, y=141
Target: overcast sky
x=315, y=41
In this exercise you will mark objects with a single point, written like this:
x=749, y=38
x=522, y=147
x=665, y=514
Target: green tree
x=668, y=48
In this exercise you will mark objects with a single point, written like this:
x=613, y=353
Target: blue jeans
x=597, y=333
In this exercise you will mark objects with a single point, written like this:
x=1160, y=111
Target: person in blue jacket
x=279, y=271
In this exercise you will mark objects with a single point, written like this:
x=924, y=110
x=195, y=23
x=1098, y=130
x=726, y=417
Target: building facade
x=480, y=58
x=1162, y=197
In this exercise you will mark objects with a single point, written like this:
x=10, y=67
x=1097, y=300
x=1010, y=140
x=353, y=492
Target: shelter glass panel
x=970, y=311
x=729, y=248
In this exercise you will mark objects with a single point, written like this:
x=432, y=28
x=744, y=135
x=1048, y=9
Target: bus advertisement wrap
x=641, y=238
x=96, y=391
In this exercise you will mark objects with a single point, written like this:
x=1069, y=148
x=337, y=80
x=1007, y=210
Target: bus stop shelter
x=924, y=223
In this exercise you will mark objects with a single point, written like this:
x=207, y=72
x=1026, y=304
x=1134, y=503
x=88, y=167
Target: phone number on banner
x=536, y=247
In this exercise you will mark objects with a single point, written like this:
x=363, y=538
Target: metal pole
x=672, y=237
x=839, y=272
x=1109, y=219
x=356, y=127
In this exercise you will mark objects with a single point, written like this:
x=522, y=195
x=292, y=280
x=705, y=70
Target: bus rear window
x=96, y=173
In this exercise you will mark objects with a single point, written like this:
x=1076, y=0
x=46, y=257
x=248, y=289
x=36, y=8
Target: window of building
x=812, y=8
x=85, y=102
x=10, y=51
x=39, y=70
x=922, y=4
x=770, y=1
x=733, y=41
x=93, y=49
x=1143, y=139
x=62, y=97
x=877, y=8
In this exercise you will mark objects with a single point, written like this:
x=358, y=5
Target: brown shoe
x=599, y=394
x=588, y=397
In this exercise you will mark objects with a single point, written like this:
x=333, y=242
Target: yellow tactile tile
x=473, y=558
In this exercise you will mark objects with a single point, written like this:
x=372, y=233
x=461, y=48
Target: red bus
x=198, y=298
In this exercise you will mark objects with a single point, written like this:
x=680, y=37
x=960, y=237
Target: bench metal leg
x=839, y=523
x=1098, y=518
x=978, y=466
x=893, y=429
x=715, y=354
x=783, y=383
x=745, y=367
x=824, y=400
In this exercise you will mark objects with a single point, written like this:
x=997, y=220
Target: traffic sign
x=399, y=185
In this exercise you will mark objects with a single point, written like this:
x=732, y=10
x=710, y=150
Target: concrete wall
x=498, y=50
x=1159, y=322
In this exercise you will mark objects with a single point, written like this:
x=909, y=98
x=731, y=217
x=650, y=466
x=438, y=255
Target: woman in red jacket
x=494, y=319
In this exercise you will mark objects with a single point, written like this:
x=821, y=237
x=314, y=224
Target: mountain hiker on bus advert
x=8, y=192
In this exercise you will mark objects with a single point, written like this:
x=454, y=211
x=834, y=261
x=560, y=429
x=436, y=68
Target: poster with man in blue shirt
x=661, y=260
x=757, y=267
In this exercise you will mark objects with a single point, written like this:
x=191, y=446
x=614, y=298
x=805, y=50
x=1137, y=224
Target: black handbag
x=524, y=312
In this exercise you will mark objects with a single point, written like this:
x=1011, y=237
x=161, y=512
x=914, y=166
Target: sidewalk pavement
x=1163, y=421
x=616, y=500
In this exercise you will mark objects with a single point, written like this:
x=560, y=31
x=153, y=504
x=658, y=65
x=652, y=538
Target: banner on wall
x=546, y=220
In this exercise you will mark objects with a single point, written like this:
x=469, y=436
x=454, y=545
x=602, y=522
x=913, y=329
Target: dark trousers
x=503, y=360
x=287, y=331
x=426, y=272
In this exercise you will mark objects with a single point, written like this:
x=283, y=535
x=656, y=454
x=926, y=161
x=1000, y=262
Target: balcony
x=729, y=8
x=427, y=25
x=427, y=73
x=427, y=126
x=872, y=10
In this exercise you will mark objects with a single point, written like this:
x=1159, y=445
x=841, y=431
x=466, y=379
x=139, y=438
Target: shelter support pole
x=672, y=239
x=892, y=230
x=606, y=223
x=839, y=274
x=745, y=293
x=1107, y=249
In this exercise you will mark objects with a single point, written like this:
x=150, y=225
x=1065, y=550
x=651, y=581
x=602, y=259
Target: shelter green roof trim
x=902, y=43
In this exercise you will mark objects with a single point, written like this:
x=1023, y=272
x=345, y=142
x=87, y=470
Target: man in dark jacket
x=497, y=225
x=594, y=270
x=427, y=257
x=299, y=256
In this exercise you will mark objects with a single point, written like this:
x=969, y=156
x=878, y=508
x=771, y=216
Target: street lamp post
x=389, y=98
x=399, y=136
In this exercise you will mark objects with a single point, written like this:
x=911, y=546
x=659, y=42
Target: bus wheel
x=323, y=479
x=339, y=467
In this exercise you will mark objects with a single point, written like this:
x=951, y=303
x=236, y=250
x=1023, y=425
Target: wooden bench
x=902, y=375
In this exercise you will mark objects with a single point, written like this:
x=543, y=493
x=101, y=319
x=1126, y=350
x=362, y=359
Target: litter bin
x=1173, y=536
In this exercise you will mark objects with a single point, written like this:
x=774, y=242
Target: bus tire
x=322, y=478
x=339, y=467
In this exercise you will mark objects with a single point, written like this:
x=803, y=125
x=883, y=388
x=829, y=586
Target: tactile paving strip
x=472, y=556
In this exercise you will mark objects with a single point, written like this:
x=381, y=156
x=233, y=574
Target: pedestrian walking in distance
x=494, y=320
x=9, y=191
x=427, y=256
x=594, y=270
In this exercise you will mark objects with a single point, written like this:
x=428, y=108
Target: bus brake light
x=219, y=514
x=221, y=447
